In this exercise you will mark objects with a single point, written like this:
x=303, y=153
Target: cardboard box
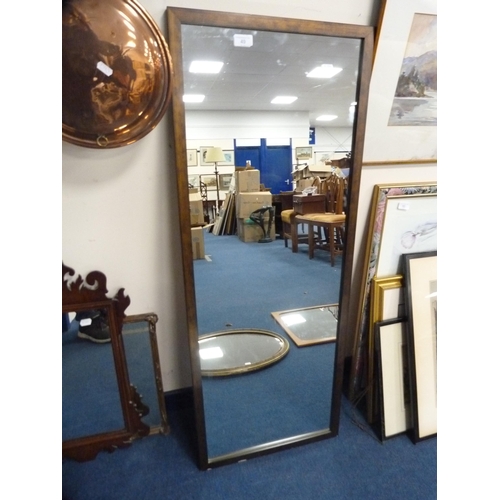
x=249, y=232
x=303, y=184
x=304, y=204
x=196, y=208
x=198, y=242
x=246, y=203
x=247, y=181
x=307, y=171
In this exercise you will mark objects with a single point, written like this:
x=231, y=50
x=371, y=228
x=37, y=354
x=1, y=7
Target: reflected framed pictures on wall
x=194, y=181
x=410, y=210
x=192, y=158
x=229, y=158
x=210, y=181
x=203, y=155
x=304, y=153
x=324, y=156
x=420, y=271
x=225, y=181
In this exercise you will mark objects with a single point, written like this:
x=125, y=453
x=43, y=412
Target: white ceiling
x=276, y=64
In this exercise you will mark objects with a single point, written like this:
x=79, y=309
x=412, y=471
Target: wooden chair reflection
x=288, y=221
x=332, y=222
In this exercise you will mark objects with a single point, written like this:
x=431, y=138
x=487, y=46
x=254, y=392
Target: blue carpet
x=239, y=286
x=352, y=466
x=289, y=397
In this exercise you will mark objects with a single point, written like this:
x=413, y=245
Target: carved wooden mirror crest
x=89, y=368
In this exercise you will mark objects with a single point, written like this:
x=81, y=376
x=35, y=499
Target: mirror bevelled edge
x=176, y=17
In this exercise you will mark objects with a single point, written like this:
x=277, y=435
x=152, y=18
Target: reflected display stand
x=310, y=325
x=258, y=216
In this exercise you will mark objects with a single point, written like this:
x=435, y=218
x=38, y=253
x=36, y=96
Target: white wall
x=246, y=124
x=120, y=206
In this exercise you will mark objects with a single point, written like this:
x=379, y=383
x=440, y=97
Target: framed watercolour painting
x=381, y=195
x=402, y=108
x=420, y=271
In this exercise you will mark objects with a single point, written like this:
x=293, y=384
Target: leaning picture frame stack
x=420, y=271
x=404, y=207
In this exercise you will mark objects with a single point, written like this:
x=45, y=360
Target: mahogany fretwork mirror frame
x=176, y=17
x=79, y=294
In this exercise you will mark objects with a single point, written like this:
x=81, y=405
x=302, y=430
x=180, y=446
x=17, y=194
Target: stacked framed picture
x=406, y=349
x=420, y=271
x=403, y=221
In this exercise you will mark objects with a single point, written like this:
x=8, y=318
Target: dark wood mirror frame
x=176, y=17
x=80, y=294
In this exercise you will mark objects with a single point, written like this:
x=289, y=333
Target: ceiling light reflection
x=293, y=319
x=284, y=99
x=193, y=97
x=326, y=118
x=324, y=71
x=211, y=353
x=212, y=67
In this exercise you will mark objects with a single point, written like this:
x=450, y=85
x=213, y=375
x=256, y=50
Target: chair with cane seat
x=331, y=222
x=288, y=220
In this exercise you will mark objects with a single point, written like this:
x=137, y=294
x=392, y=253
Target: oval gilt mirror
x=240, y=284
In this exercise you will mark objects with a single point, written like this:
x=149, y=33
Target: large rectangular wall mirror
x=296, y=399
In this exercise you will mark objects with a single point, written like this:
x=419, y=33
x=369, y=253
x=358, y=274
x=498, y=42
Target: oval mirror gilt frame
x=246, y=367
x=176, y=17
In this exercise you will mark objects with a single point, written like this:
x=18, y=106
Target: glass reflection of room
x=199, y=27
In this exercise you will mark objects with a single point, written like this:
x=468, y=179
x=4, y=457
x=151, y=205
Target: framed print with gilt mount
x=116, y=73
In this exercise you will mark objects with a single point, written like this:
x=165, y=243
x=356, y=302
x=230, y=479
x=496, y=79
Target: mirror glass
x=240, y=284
x=310, y=325
x=141, y=352
x=240, y=351
x=91, y=399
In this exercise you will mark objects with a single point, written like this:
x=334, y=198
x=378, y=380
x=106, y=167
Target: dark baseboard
x=346, y=376
x=179, y=399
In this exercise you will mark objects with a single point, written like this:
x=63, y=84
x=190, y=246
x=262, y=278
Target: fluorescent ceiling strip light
x=326, y=118
x=193, y=97
x=324, y=71
x=212, y=67
x=283, y=99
